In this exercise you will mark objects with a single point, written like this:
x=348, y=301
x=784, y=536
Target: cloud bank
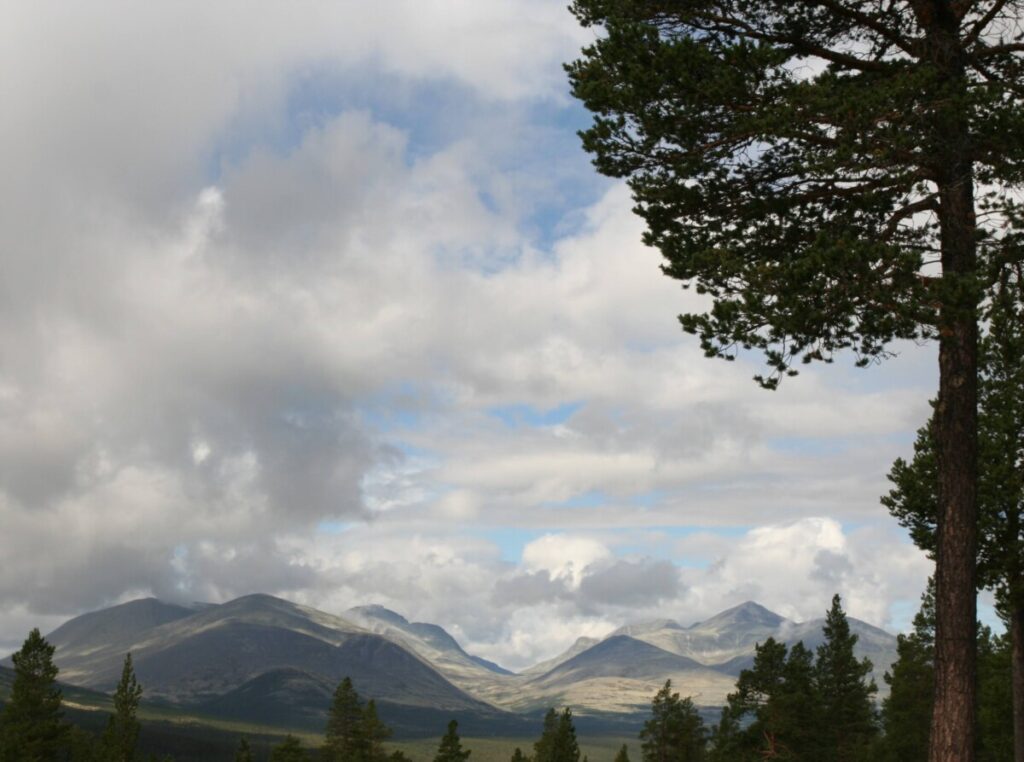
x=326, y=301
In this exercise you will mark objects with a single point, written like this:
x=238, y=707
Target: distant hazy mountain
x=428, y=640
x=263, y=659
x=724, y=636
x=726, y=641
x=581, y=645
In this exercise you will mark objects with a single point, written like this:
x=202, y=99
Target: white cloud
x=795, y=568
x=564, y=557
x=224, y=319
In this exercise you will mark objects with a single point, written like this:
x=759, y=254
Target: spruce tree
x=907, y=708
x=794, y=709
x=122, y=733
x=344, y=733
x=773, y=711
x=372, y=734
x=450, y=748
x=243, y=753
x=675, y=732
x=622, y=755
x=844, y=690
x=802, y=164
x=518, y=756
x=914, y=497
x=32, y=726
x=995, y=705
x=289, y=750
x=557, y=742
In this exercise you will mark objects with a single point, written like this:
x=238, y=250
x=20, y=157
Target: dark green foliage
x=31, y=726
x=354, y=732
x=995, y=704
x=518, y=756
x=786, y=195
x=773, y=712
x=794, y=711
x=914, y=498
x=906, y=711
x=122, y=734
x=398, y=756
x=675, y=731
x=244, y=753
x=789, y=705
x=450, y=748
x=622, y=755
x=289, y=750
x=801, y=165
x=557, y=742
x=344, y=733
x=373, y=733
x=844, y=690
x=82, y=746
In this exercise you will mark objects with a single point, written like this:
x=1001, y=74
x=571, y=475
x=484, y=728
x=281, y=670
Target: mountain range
x=269, y=661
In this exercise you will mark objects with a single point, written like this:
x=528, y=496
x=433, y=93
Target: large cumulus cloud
x=257, y=339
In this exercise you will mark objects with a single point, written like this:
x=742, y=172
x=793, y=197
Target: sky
x=325, y=300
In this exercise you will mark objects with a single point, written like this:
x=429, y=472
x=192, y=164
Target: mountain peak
x=380, y=613
x=646, y=627
x=748, y=613
x=124, y=620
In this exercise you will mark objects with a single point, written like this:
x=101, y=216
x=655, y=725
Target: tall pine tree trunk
x=953, y=734
x=954, y=728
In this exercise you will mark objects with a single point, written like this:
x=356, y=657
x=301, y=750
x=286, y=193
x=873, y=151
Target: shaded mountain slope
x=193, y=659
x=436, y=646
x=619, y=656
x=581, y=645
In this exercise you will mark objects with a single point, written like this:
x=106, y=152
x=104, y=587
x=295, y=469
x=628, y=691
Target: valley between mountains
x=265, y=660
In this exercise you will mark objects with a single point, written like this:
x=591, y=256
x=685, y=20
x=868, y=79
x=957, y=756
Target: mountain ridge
x=263, y=656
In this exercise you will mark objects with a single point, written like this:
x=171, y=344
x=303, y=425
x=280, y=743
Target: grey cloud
x=832, y=568
x=529, y=589
x=629, y=584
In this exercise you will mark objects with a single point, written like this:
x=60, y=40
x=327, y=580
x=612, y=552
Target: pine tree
x=794, y=708
x=289, y=750
x=844, y=690
x=766, y=716
x=914, y=498
x=518, y=756
x=675, y=732
x=243, y=753
x=31, y=726
x=801, y=164
x=995, y=705
x=344, y=733
x=727, y=742
x=372, y=734
x=82, y=746
x=122, y=733
x=908, y=707
x=558, y=740
x=450, y=748
x=622, y=755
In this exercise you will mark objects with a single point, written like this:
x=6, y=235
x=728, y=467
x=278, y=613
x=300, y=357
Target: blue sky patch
x=521, y=414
